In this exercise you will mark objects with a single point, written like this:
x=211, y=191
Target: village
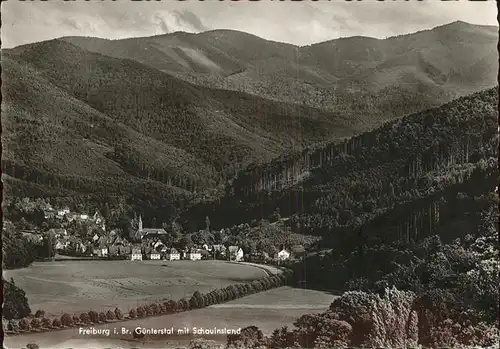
x=76, y=235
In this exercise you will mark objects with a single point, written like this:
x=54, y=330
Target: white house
x=61, y=213
x=154, y=255
x=101, y=251
x=283, y=255
x=61, y=244
x=58, y=232
x=235, y=253
x=194, y=255
x=49, y=213
x=136, y=255
x=99, y=220
x=207, y=248
x=159, y=244
x=173, y=255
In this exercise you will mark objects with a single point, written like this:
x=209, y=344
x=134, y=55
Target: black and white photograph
x=262, y=174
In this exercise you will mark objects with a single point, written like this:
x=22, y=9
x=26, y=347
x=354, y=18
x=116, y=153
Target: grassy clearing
x=79, y=286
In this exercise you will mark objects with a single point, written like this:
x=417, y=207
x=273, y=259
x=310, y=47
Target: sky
x=300, y=23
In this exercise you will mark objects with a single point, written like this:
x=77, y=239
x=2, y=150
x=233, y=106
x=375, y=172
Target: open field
x=267, y=310
x=78, y=286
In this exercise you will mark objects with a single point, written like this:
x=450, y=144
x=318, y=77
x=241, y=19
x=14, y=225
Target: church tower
x=140, y=223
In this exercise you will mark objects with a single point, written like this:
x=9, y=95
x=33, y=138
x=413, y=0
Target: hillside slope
x=218, y=127
x=345, y=183
x=83, y=121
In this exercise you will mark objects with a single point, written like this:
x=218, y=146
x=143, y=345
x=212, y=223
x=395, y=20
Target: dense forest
x=404, y=159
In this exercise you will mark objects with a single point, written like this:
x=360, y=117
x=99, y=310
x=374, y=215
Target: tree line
x=18, y=312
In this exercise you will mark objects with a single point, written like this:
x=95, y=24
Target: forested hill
x=76, y=122
x=348, y=183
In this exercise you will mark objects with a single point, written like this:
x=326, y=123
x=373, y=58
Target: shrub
x=93, y=316
x=162, y=309
x=46, y=323
x=110, y=315
x=56, y=323
x=35, y=323
x=132, y=313
x=40, y=313
x=66, y=320
x=32, y=346
x=118, y=313
x=102, y=317
x=24, y=324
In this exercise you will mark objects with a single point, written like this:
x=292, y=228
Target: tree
x=185, y=242
x=40, y=313
x=170, y=306
x=66, y=320
x=15, y=302
x=132, y=313
x=148, y=309
x=102, y=317
x=24, y=324
x=183, y=305
x=93, y=316
x=46, y=323
x=48, y=246
x=13, y=326
x=155, y=309
x=207, y=223
x=32, y=346
x=56, y=323
x=196, y=301
x=249, y=337
x=110, y=315
x=141, y=312
x=118, y=314
x=85, y=318
x=35, y=323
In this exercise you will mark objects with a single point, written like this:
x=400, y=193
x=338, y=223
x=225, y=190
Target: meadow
x=80, y=286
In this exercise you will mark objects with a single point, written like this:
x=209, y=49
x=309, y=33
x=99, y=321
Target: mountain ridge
x=194, y=130
x=435, y=66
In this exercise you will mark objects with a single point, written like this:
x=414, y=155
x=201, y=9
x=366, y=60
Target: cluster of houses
x=153, y=249
x=65, y=213
x=144, y=244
